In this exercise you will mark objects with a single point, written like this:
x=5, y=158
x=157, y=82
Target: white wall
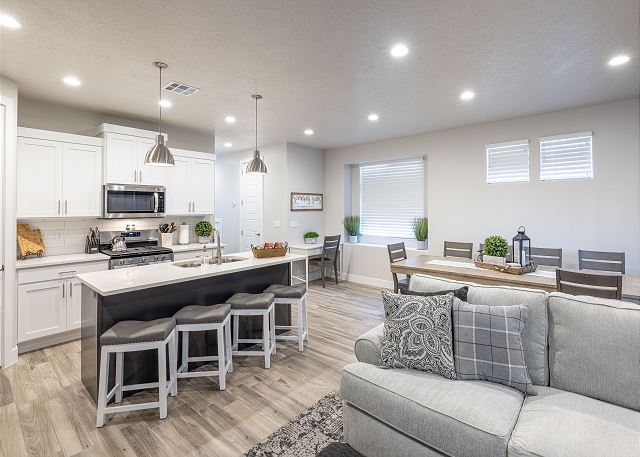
x=599, y=214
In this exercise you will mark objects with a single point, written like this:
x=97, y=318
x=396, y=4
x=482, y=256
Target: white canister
x=183, y=234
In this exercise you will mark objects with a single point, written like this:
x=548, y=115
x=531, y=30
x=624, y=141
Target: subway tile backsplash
x=67, y=236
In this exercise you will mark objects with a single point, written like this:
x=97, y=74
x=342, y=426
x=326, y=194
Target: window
x=508, y=162
x=566, y=156
x=391, y=195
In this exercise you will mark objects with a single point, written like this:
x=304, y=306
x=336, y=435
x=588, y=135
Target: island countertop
x=112, y=282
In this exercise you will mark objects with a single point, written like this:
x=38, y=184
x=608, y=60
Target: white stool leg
x=272, y=327
x=162, y=379
x=102, y=386
x=306, y=319
x=173, y=364
x=119, y=375
x=265, y=340
x=236, y=331
x=300, y=315
x=184, y=366
x=222, y=365
x=227, y=344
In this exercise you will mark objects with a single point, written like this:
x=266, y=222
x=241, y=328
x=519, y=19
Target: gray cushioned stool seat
x=251, y=301
x=281, y=291
x=195, y=314
x=127, y=332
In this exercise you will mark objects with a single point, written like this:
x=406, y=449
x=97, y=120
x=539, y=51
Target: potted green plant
x=204, y=229
x=420, y=227
x=495, y=250
x=311, y=238
x=352, y=226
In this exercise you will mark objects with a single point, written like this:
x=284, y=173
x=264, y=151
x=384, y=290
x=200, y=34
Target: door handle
x=258, y=233
x=2, y=268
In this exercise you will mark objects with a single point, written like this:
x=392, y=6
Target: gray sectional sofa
x=582, y=353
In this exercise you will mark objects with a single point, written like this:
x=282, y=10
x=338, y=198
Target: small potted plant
x=311, y=238
x=204, y=229
x=495, y=250
x=420, y=227
x=352, y=226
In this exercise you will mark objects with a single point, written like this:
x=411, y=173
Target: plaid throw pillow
x=417, y=333
x=488, y=344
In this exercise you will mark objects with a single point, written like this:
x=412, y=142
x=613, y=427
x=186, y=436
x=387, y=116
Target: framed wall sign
x=305, y=201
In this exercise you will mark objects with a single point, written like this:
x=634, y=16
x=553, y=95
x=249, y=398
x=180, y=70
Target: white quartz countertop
x=60, y=260
x=194, y=247
x=112, y=282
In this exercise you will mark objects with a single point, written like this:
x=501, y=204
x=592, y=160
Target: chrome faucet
x=216, y=237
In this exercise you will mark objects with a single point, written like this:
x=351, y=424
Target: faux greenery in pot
x=495, y=250
x=204, y=229
x=352, y=226
x=311, y=238
x=420, y=226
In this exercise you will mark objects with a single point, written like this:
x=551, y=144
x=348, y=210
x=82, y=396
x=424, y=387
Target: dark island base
x=101, y=313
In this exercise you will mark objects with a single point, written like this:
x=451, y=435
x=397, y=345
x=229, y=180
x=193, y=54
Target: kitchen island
x=157, y=291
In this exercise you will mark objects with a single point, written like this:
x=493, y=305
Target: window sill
x=376, y=245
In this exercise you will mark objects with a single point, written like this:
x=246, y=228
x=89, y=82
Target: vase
x=204, y=239
x=421, y=245
x=166, y=240
x=183, y=234
x=502, y=261
x=353, y=239
x=310, y=240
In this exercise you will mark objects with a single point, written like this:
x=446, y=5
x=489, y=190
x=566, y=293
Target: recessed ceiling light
x=71, y=81
x=8, y=21
x=165, y=103
x=230, y=120
x=373, y=117
x=399, y=50
x=619, y=60
x=467, y=95
x=227, y=145
x=308, y=132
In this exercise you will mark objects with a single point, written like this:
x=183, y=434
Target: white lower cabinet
x=74, y=304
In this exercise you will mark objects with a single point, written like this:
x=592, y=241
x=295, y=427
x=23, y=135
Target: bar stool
x=244, y=304
x=292, y=295
x=195, y=318
x=133, y=336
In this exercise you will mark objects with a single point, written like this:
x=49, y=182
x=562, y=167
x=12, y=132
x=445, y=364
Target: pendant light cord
x=159, y=102
x=256, y=123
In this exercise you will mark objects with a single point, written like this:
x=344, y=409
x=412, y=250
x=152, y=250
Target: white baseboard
x=46, y=341
x=375, y=282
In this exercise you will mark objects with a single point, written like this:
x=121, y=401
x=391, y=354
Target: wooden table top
x=420, y=264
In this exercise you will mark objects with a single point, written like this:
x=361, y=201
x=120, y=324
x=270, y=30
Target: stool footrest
x=286, y=327
x=249, y=340
x=134, y=407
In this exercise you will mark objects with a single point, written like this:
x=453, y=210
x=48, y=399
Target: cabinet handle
x=70, y=290
x=67, y=272
x=135, y=176
x=140, y=176
x=63, y=284
x=65, y=207
x=58, y=206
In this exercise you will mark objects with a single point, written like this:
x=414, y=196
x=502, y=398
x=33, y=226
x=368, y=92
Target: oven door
x=128, y=201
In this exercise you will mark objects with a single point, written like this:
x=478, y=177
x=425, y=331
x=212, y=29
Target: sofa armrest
x=368, y=346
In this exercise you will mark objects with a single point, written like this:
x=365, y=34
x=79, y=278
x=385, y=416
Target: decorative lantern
x=522, y=246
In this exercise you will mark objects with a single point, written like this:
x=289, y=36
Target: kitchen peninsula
x=157, y=291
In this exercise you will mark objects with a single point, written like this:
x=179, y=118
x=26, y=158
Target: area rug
x=315, y=432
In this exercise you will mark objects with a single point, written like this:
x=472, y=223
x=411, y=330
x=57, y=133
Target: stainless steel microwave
x=129, y=200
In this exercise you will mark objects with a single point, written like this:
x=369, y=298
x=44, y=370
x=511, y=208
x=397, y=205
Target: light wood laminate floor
x=45, y=411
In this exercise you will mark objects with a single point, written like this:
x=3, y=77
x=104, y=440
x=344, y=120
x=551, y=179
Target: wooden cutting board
x=29, y=240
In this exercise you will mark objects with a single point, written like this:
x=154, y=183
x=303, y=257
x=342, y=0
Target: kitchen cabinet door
x=149, y=174
x=41, y=309
x=81, y=180
x=178, y=196
x=39, y=186
x=74, y=304
x=202, y=186
x=121, y=159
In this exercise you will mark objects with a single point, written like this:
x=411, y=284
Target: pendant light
x=256, y=165
x=159, y=155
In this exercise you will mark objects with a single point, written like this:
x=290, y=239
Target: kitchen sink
x=198, y=263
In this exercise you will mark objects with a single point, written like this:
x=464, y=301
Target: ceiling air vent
x=180, y=88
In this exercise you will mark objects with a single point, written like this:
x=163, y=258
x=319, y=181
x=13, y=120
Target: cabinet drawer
x=52, y=273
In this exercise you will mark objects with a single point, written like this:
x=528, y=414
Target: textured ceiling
x=324, y=64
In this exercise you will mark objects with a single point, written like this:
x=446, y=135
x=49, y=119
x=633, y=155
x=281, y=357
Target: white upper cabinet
x=125, y=150
x=58, y=174
x=191, y=183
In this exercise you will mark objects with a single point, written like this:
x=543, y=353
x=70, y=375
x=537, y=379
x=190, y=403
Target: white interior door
x=81, y=180
x=251, y=195
x=2, y=220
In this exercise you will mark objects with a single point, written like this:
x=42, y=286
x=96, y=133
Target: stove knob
x=143, y=260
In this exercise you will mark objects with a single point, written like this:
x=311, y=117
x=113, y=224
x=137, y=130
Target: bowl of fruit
x=267, y=249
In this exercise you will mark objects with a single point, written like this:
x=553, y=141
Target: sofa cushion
x=460, y=293
x=556, y=423
x=368, y=347
x=534, y=337
x=594, y=348
x=458, y=418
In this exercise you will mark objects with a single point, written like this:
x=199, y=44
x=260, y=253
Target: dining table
x=465, y=270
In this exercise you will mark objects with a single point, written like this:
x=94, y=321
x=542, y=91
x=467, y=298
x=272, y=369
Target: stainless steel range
x=133, y=248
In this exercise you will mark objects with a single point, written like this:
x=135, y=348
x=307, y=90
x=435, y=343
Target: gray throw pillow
x=417, y=333
x=460, y=293
x=488, y=344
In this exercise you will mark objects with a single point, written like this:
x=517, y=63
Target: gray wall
x=58, y=118
x=306, y=174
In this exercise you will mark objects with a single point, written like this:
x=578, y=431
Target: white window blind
x=566, y=156
x=508, y=162
x=391, y=195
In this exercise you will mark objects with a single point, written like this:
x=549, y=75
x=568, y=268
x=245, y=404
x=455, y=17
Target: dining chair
x=328, y=258
x=601, y=260
x=397, y=252
x=547, y=256
x=592, y=284
x=457, y=249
